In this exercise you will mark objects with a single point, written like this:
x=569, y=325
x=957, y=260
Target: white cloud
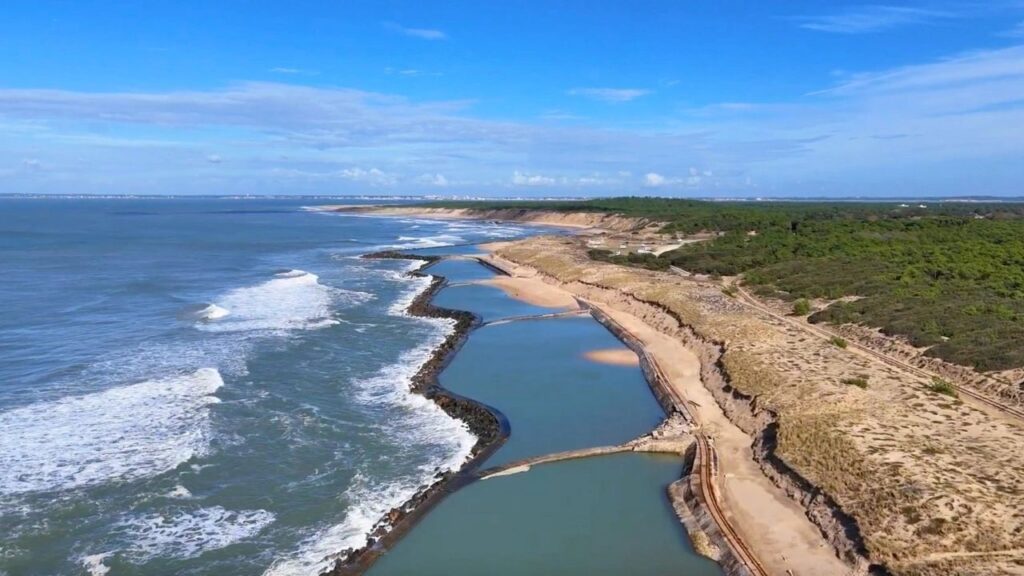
x=695, y=178
x=612, y=95
x=293, y=71
x=524, y=179
x=410, y=72
x=873, y=18
x=421, y=33
x=438, y=180
x=373, y=176
x=654, y=180
x=214, y=159
x=945, y=127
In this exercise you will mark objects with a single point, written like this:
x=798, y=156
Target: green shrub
x=729, y=291
x=801, y=307
x=837, y=342
x=859, y=381
x=940, y=386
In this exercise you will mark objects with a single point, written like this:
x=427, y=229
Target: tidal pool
x=457, y=270
x=487, y=302
x=555, y=399
x=608, y=515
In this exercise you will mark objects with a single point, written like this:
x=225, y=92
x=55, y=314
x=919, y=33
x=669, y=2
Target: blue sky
x=515, y=98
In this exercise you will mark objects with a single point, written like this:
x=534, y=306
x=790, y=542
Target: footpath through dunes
x=896, y=476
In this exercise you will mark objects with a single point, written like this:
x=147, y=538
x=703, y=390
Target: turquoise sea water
x=209, y=386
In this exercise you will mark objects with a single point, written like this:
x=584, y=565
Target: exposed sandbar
x=613, y=356
x=532, y=291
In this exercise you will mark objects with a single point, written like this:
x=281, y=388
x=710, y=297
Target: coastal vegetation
x=940, y=386
x=837, y=342
x=801, y=307
x=948, y=277
x=860, y=381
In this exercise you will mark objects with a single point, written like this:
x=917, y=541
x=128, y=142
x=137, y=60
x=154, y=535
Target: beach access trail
x=772, y=526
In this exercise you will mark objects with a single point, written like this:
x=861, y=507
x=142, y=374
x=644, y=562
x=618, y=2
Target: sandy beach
x=532, y=291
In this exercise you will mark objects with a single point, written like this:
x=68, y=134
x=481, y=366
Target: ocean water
x=209, y=386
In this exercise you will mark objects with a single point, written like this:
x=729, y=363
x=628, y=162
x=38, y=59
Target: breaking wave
x=123, y=433
x=422, y=424
x=291, y=300
x=188, y=533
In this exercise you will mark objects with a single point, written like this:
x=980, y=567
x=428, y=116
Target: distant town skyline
x=529, y=99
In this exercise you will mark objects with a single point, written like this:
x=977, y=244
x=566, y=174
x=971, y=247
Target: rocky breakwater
x=488, y=424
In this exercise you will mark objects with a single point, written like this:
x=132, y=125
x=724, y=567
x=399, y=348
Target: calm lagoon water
x=487, y=302
x=555, y=399
x=599, y=516
x=461, y=270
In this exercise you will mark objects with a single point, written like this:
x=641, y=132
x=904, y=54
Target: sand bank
x=532, y=291
x=613, y=357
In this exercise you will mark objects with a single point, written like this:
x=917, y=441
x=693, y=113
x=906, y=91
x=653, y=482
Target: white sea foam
x=189, y=533
x=436, y=241
x=213, y=312
x=94, y=564
x=123, y=433
x=422, y=424
x=319, y=552
x=178, y=491
x=292, y=300
x=203, y=313
x=418, y=284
